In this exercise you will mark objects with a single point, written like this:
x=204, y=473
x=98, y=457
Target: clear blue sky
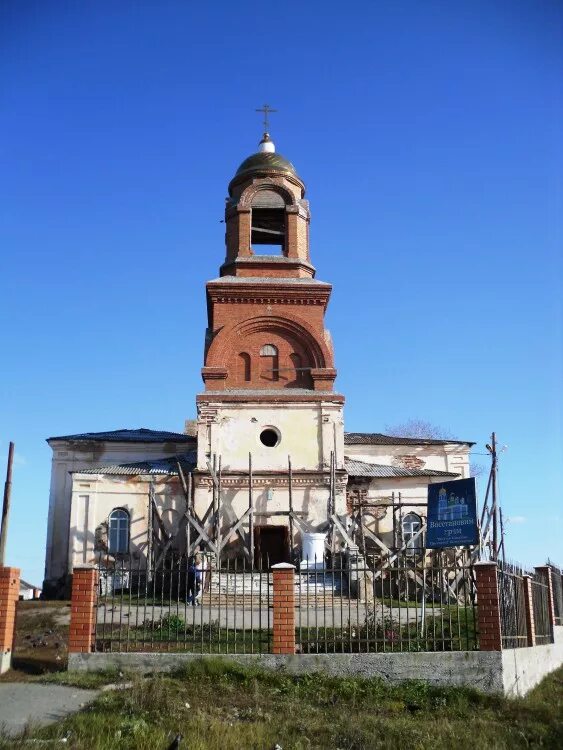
x=429, y=136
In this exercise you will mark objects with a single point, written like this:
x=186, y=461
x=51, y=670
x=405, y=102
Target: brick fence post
x=529, y=605
x=488, y=607
x=9, y=595
x=82, y=632
x=284, y=608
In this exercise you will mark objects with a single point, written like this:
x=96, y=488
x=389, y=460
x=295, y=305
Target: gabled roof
x=364, y=469
x=159, y=466
x=142, y=435
x=26, y=585
x=377, y=438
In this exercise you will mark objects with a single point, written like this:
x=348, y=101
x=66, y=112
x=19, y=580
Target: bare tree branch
x=419, y=428
x=475, y=470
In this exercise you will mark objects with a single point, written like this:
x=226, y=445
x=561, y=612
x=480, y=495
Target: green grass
x=218, y=705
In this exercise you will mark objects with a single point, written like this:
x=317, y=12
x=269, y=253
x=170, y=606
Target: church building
x=266, y=472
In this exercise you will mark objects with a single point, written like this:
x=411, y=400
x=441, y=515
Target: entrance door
x=271, y=545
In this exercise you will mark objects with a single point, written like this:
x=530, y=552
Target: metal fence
x=540, y=605
x=557, y=587
x=512, y=602
x=223, y=610
x=412, y=602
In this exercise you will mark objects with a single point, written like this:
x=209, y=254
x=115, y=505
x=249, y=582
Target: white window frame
x=411, y=525
x=122, y=519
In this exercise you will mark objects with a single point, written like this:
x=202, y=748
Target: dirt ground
x=41, y=639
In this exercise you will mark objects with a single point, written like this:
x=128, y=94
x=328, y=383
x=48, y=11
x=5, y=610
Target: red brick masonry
x=528, y=603
x=488, y=607
x=83, y=610
x=9, y=595
x=284, y=609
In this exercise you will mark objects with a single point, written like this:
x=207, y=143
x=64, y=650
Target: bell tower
x=268, y=363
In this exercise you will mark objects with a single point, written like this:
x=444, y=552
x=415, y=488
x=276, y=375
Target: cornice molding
x=276, y=293
x=304, y=479
x=217, y=398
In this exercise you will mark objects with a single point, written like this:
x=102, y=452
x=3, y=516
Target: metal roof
x=265, y=161
x=142, y=435
x=26, y=585
x=377, y=438
x=161, y=466
x=364, y=469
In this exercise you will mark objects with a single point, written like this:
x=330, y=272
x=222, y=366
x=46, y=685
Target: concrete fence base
x=512, y=672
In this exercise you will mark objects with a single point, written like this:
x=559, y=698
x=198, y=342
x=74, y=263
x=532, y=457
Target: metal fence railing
x=557, y=587
x=414, y=602
x=224, y=609
x=512, y=603
x=540, y=604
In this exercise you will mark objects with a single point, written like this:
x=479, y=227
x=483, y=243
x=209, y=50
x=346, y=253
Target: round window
x=270, y=437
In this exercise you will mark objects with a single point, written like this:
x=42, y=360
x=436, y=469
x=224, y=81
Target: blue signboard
x=452, y=514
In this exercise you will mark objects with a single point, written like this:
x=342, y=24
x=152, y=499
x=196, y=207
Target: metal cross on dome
x=266, y=109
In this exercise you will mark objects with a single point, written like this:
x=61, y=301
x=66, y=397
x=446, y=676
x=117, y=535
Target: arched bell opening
x=268, y=224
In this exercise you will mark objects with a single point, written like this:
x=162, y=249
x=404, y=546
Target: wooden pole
x=219, y=540
x=484, y=510
x=251, y=509
x=188, y=535
x=494, y=488
x=334, y=481
x=189, y=497
x=362, y=529
x=332, y=505
x=190, y=506
x=334, y=468
x=394, y=522
x=290, y=492
x=6, y=505
x=149, y=530
x=215, y=496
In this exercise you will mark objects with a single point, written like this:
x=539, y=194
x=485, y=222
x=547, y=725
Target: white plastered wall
x=451, y=457
x=71, y=457
x=95, y=496
x=308, y=433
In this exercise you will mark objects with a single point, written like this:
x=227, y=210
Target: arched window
x=118, y=542
x=268, y=350
x=270, y=362
x=412, y=523
x=244, y=367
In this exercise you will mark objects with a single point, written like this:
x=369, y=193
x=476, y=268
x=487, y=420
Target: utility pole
x=494, y=489
x=6, y=505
